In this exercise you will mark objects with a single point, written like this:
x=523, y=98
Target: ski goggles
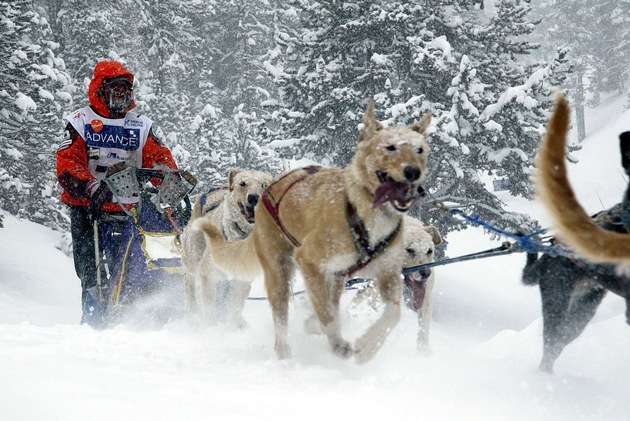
x=119, y=84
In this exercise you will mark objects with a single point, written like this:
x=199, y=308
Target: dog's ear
x=231, y=174
x=370, y=123
x=422, y=125
x=437, y=238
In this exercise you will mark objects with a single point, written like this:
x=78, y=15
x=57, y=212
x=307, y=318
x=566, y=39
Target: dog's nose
x=252, y=199
x=412, y=173
x=425, y=273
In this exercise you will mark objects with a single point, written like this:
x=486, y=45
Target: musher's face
x=118, y=94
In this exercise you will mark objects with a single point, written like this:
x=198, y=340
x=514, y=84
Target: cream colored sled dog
x=574, y=226
x=420, y=242
x=419, y=249
x=335, y=224
x=231, y=209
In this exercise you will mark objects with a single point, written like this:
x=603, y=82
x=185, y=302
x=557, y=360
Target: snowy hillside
x=486, y=340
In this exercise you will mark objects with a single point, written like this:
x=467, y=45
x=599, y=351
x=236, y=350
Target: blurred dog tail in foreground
x=573, y=225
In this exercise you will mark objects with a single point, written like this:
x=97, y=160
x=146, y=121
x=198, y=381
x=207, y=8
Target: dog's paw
x=283, y=350
x=365, y=350
x=424, y=350
x=242, y=324
x=343, y=349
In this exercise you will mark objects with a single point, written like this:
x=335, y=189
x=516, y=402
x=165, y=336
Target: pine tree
x=446, y=57
x=32, y=102
x=597, y=34
x=89, y=34
x=238, y=38
x=611, y=48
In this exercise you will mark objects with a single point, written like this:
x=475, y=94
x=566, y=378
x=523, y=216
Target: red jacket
x=72, y=156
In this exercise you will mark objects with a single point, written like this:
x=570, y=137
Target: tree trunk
x=579, y=105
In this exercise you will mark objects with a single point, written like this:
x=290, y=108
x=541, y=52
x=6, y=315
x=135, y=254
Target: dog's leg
x=312, y=326
x=237, y=296
x=274, y=256
x=325, y=298
x=368, y=344
x=567, y=309
x=531, y=271
x=277, y=282
x=193, y=247
x=208, y=289
x=582, y=310
x=190, y=300
x=555, y=293
x=425, y=313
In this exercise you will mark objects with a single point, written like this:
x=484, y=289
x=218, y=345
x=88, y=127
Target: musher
x=105, y=133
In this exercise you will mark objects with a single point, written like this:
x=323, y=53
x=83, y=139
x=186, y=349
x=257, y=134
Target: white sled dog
x=419, y=249
x=574, y=226
x=420, y=242
x=231, y=210
x=336, y=224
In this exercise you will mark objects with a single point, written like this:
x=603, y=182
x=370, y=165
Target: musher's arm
x=72, y=165
x=155, y=153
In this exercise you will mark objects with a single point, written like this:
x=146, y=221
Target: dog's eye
x=243, y=184
x=390, y=148
x=429, y=252
x=420, y=150
x=263, y=185
x=410, y=251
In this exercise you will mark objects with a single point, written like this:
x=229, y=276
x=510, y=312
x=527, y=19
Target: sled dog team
x=332, y=224
x=337, y=224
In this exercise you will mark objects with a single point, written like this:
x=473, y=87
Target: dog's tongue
x=390, y=190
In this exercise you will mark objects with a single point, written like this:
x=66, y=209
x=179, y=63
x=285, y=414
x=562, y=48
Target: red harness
x=272, y=205
x=359, y=232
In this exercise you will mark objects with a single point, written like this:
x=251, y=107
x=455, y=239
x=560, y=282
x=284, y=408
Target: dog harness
x=359, y=232
x=204, y=197
x=272, y=205
x=362, y=241
x=202, y=202
x=614, y=219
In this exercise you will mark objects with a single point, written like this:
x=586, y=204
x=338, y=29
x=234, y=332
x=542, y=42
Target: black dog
x=571, y=288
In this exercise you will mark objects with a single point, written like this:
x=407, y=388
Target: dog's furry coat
x=381, y=183
x=419, y=249
x=232, y=210
x=572, y=288
x=574, y=226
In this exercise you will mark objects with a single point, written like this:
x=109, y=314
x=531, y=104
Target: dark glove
x=100, y=193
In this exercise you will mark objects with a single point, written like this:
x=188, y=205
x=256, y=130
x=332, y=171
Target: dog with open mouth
x=420, y=242
x=231, y=209
x=335, y=224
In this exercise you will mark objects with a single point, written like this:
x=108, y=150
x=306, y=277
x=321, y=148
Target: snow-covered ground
x=486, y=342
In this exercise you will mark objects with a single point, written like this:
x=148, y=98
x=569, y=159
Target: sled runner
x=140, y=272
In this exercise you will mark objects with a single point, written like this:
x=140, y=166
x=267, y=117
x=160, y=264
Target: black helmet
x=117, y=93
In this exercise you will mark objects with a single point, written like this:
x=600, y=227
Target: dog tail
x=574, y=226
x=237, y=258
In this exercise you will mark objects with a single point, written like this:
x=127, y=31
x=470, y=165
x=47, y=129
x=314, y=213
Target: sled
x=140, y=273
